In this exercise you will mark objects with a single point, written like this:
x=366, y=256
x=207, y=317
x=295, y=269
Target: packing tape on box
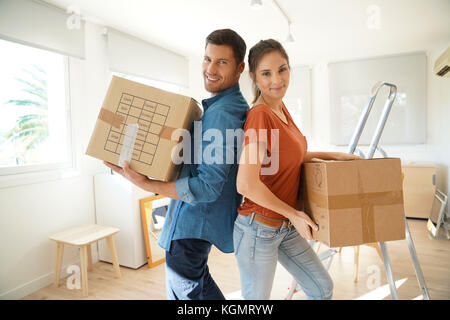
x=166, y=133
x=367, y=212
x=110, y=117
x=365, y=201
x=128, y=143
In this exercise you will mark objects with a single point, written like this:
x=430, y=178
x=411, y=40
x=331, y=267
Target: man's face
x=219, y=68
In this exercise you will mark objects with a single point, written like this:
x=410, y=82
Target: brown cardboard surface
x=157, y=112
x=354, y=202
x=418, y=189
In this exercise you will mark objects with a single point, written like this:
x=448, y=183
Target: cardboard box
x=157, y=114
x=354, y=202
x=419, y=186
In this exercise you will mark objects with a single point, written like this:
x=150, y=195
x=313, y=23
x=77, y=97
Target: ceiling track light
x=289, y=38
x=256, y=4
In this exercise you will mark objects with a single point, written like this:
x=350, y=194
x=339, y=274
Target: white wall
x=196, y=87
x=33, y=211
x=29, y=215
x=437, y=147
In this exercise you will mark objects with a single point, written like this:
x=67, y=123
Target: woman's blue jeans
x=258, y=247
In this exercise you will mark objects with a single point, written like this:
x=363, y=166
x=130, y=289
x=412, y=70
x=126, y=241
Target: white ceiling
x=324, y=30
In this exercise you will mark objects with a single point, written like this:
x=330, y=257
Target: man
x=206, y=199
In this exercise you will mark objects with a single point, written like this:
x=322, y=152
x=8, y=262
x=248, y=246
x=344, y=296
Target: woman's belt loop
x=251, y=218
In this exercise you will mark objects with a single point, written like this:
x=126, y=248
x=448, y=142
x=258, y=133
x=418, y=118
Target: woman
x=269, y=228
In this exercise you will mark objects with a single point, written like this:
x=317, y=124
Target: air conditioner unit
x=442, y=64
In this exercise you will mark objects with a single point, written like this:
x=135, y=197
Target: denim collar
x=207, y=102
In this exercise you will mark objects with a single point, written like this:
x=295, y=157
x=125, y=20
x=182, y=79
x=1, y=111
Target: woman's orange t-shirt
x=292, y=147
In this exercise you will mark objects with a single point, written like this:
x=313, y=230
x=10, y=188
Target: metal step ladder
x=373, y=147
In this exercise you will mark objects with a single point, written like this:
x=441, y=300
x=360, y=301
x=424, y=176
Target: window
x=153, y=83
x=350, y=85
x=34, y=127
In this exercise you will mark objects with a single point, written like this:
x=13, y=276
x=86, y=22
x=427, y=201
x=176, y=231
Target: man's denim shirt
x=209, y=200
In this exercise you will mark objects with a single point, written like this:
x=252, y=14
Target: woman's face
x=272, y=75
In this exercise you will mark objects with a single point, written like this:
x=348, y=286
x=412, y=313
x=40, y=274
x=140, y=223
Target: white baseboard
x=41, y=282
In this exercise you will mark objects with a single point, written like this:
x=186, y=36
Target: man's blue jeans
x=258, y=247
x=187, y=273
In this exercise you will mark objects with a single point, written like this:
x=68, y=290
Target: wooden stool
x=83, y=237
x=356, y=248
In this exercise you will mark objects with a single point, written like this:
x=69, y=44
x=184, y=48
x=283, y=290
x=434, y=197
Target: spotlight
x=289, y=38
x=256, y=4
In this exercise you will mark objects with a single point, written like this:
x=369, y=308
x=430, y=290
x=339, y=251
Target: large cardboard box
x=136, y=122
x=419, y=186
x=354, y=202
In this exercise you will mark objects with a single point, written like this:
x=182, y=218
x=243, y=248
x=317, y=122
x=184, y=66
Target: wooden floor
x=145, y=283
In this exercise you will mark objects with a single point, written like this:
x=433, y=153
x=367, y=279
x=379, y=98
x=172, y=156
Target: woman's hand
x=302, y=223
x=341, y=156
x=128, y=173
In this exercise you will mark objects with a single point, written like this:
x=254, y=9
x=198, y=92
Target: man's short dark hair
x=230, y=38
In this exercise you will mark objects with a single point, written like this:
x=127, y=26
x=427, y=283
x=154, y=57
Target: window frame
x=6, y=173
x=181, y=89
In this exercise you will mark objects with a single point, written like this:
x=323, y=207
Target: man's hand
x=128, y=173
x=167, y=189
